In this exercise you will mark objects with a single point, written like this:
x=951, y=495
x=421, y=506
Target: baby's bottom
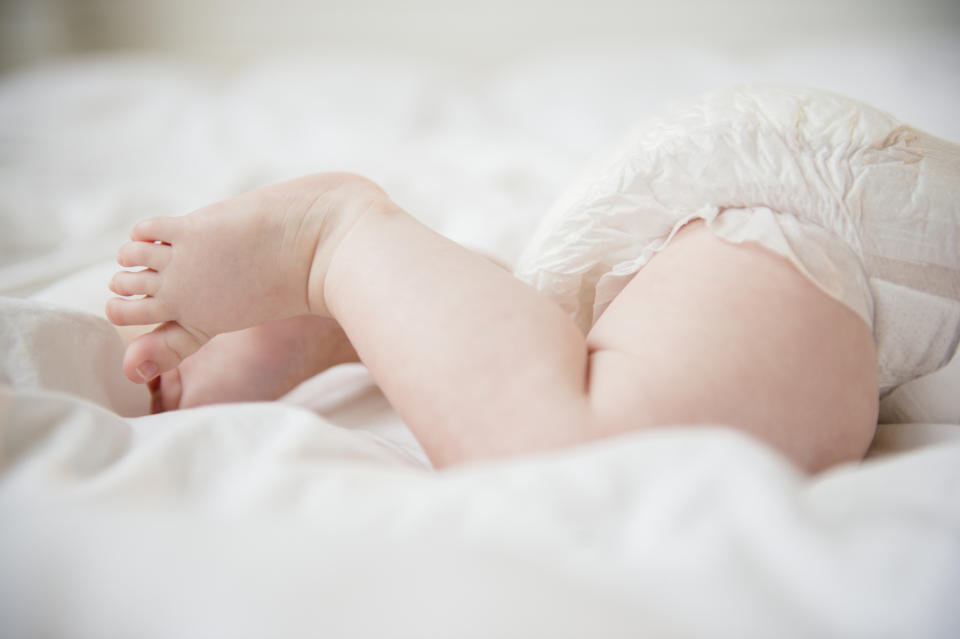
x=715, y=332
x=479, y=364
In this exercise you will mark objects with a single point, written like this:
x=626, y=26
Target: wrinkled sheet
x=249, y=520
x=318, y=515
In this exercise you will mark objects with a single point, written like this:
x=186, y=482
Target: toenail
x=147, y=370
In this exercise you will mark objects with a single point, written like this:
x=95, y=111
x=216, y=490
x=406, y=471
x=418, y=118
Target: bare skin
x=478, y=364
x=261, y=363
x=270, y=243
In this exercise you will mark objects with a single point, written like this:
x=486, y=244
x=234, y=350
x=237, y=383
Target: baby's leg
x=710, y=332
x=476, y=362
x=479, y=364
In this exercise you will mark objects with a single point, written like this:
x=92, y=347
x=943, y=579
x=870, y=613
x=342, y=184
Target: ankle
x=359, y=231
x=337, y=202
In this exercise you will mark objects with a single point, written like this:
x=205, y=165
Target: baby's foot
x=258, y=257
x=255, y=364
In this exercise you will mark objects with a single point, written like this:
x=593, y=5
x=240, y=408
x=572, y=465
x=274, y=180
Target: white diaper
x=867, y=208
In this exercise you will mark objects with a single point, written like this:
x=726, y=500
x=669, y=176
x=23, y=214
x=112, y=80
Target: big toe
x=158, y=351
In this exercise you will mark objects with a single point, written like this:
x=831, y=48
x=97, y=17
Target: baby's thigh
x=722, y=333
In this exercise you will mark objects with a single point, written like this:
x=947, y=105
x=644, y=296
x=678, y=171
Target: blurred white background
x=471, y=31
x=474, y=115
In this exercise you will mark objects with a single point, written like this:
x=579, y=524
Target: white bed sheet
x=318, y=515
x=268, y=519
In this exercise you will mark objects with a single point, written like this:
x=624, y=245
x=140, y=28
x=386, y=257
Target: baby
x=714, y=322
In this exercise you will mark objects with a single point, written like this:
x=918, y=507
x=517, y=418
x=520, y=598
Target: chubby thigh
x=733, y=334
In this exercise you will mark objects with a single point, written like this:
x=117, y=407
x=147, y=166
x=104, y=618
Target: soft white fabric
x=867, y=208
x=267, y=519
x=52, y=348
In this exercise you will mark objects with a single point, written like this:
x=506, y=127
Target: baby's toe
x=165, y=391
x=137, y=312
x=157, y=229
x=159, y=351
x=153, y=256
x=145, y=282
